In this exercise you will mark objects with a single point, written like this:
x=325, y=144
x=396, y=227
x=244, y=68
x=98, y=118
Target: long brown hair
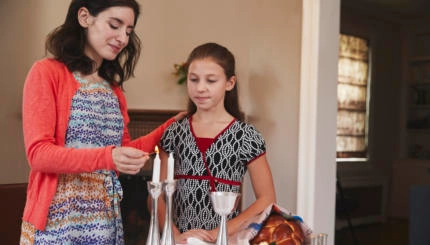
x=67, y=42
x=224, y=58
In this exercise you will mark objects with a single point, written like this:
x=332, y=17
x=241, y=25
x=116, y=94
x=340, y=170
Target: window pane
x=350, y=144
x=351, y=97
x=352, y=71
x=351, y=123
x=353, y=47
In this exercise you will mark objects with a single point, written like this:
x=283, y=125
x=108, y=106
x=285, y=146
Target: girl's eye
x=211, y=81
x=194, y=80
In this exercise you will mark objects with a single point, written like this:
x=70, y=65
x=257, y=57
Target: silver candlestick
x=169, y=187
x=154, y=189
x=223, y=203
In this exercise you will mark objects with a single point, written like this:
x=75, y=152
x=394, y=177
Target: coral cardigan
x=47, y=98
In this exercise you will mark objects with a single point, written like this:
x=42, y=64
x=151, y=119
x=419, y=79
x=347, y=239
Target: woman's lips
x=115, y=48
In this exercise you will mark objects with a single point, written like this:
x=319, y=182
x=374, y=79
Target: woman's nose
x=122, y=38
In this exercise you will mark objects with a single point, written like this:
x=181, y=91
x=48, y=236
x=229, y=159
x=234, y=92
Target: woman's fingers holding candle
x=129, y=160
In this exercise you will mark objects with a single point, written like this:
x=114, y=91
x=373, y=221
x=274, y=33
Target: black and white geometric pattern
x=220, y=168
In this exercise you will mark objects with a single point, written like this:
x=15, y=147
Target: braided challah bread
x=277, y=230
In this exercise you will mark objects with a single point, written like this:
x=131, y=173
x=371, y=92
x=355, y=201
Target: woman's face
x=108, y=33
x=207, y=84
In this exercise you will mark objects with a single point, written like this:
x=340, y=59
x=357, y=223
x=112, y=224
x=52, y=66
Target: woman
x=75, y=126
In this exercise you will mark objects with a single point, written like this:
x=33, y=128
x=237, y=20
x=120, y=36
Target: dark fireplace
x=134, y=208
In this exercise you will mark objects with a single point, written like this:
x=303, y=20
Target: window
x=352, y=99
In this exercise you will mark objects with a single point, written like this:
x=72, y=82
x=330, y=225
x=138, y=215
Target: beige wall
x=25, y=24
x=264, y=36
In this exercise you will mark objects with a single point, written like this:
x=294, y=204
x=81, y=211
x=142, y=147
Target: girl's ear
x=230, y=83
x=84, y=17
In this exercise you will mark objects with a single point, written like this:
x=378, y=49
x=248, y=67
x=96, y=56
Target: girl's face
x=107, y=33
x=207, y=84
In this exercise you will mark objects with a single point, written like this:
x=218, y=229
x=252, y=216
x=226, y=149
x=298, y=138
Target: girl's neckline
x=190, y=121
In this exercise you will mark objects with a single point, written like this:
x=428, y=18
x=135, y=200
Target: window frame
x=369, y=96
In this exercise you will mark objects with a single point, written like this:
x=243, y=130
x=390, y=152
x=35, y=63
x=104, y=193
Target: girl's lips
x=201, y=98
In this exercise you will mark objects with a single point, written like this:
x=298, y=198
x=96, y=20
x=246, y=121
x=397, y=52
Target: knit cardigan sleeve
x=47, y=95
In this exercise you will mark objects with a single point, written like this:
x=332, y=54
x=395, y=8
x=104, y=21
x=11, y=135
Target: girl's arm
x=264, y=191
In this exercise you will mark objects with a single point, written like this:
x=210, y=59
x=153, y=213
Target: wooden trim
x=144, y=121
x=151, y=115
x=316, y=187
x=11, y=211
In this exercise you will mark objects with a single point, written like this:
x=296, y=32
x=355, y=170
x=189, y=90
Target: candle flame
x=156, y=150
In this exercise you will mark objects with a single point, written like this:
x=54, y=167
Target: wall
x=264, y=36
x=25, y=26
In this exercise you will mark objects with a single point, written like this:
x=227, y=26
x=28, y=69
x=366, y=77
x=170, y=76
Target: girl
x=213, y=149
x=75, y=127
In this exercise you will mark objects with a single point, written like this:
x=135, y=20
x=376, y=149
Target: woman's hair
x=224, y=58
x=67, y=43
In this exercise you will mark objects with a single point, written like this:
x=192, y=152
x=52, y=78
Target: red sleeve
x=148, y=142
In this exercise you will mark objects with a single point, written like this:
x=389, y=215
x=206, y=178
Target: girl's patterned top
x=220, y=168
x=85, y=208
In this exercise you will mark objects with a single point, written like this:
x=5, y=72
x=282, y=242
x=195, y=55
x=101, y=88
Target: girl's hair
x=224, y=58
x=67, y=42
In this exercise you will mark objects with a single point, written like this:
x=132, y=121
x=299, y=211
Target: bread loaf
x=277, y=230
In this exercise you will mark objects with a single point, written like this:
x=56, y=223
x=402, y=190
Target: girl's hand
x=129, y=160
x=201, y=234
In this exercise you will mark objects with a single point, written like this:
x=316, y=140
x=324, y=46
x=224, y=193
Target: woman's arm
x=149, y=141
x=45, y=116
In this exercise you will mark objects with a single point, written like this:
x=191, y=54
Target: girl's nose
x=201, y=86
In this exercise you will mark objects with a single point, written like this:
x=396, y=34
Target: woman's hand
x=180, y=115
x=201, y=234
x=129, y=160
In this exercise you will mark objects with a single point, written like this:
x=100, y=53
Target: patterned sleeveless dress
x=203, y=165
x=85, y=208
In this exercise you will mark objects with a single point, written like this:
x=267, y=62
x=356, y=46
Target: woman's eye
x=113, y=26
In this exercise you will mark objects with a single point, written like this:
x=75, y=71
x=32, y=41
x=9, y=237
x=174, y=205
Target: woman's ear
x=84, y=17
x=230, y=83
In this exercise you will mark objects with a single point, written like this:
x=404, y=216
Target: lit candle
x=156, y=167
x=170, y=167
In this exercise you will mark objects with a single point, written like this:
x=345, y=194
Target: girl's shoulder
x=180, y=124
x=244, y=125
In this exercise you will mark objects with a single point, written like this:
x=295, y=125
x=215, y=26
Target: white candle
x=170, y=167
x=156, y=167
